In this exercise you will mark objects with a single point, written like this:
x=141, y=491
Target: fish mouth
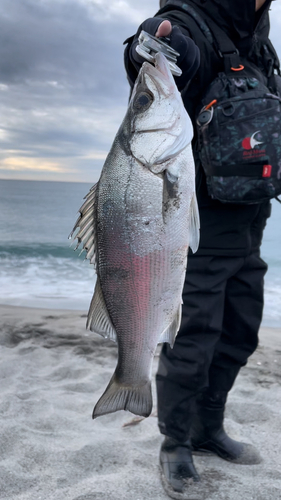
x=160, y=74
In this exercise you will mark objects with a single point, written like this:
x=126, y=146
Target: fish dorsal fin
x=170, y=333
x=98, y=318
x=194, y=225
x=86, y=224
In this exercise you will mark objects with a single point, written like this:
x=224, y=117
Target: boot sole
x=242, y=460
x=177, y=495
x=200, y=452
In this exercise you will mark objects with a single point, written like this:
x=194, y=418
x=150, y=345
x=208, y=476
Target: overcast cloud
x=63, y=88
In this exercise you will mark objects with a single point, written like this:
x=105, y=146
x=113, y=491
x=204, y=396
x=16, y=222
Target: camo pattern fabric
x=239, y=138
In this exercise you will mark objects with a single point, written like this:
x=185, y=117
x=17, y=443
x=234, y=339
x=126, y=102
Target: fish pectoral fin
x=170, y=333
x=170, y=192
x=137, y=399
x=194, y=225
x=98, y=318
x=87, y=227
x=171, y=184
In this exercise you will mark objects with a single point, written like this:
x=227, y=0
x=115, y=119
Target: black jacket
x=226, y=229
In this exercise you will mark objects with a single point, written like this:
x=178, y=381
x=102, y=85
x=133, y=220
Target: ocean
x=40, y=269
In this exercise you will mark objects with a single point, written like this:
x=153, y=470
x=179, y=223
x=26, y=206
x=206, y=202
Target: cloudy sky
x=63, y=89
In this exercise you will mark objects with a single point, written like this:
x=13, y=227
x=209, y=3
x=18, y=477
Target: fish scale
x=144, y=216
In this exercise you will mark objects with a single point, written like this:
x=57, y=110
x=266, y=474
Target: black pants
x=222, y=312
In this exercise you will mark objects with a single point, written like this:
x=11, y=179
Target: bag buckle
x=223, y=54
x=231, y=60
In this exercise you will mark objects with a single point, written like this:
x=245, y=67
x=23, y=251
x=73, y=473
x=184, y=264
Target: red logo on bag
x=266, y=171
x=250, y=152
x=251, y=142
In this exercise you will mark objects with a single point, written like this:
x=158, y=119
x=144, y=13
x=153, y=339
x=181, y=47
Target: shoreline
x=38, y=311
x=53, y=371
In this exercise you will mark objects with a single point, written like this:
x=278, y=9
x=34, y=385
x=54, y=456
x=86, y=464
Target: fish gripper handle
x=149, y=45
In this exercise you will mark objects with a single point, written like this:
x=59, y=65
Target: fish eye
x=143, y=100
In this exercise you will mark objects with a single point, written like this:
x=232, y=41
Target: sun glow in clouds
x=36, y=164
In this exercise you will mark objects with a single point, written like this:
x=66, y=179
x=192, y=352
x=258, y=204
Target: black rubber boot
x=177, y=464
x=208, y=434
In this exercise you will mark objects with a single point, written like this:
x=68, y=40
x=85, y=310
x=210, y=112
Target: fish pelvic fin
x=137, y=399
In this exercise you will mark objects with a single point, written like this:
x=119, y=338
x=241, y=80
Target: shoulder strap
x=215, y=35
x=226, y=48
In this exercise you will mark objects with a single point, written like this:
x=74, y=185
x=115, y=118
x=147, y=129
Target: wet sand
x=52, y=371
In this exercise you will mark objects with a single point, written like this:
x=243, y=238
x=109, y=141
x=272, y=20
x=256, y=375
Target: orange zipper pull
x=211, y=104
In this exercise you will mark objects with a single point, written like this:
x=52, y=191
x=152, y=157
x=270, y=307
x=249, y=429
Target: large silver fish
x=136, y=225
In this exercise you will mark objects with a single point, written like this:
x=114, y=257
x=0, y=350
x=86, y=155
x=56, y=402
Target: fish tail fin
x=136, y=399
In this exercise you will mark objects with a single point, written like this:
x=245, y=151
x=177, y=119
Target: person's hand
x=164, y=29
x=189, y=57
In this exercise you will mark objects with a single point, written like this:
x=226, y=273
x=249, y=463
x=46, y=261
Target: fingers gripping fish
x=136, y=226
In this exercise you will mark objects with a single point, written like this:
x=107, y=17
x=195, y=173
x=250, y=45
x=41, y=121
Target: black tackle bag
x=239, y=130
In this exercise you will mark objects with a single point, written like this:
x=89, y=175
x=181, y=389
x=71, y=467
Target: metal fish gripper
x=149, y=45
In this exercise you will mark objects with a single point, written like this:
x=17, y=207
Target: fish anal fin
x=194, y=225
x=98, y=318
x=170, y=333
x=117, y=396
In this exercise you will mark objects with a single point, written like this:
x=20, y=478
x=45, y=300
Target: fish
x=136, y=225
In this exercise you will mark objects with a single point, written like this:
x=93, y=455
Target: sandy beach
x=52, y=372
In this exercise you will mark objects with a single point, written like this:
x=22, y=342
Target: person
x=223, y=290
